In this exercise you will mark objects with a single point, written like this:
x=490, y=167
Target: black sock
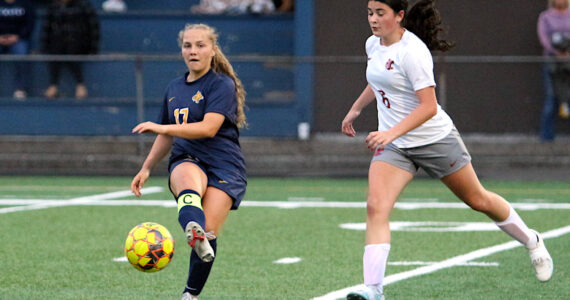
x=199, y=271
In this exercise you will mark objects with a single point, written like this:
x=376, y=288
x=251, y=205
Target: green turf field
x=62, y=234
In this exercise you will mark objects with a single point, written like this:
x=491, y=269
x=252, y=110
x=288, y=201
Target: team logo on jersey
x=197, y=97
x=390, y=65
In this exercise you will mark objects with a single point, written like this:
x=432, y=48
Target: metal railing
x=140, y=59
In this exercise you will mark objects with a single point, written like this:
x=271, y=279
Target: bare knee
x=480, y=201
x=378, y=207
x=212, y=228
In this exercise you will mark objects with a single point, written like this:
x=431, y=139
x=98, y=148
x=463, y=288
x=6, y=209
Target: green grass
x=66, y=252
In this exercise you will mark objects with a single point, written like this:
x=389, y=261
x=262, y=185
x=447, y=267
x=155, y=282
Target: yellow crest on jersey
x=197, y=97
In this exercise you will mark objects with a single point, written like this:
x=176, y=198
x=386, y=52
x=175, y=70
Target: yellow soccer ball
x=149, y=247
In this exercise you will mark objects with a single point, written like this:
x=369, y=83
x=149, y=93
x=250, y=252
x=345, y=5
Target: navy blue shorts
x=231, y=182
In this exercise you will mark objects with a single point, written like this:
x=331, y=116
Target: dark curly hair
x=423, y=20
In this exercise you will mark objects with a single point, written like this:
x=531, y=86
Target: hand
x=12, y=39
x=347, y=127
x=379, y=139
x=139, y=181
x=148, y=127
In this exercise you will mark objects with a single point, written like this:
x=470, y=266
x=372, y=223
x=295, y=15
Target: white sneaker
x=188, y=296
x=541, y=260
x=364, y=294
x=117, y=6
x=20, y=95
x=196, y=238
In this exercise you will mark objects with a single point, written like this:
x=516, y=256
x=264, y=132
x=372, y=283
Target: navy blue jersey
x=188, y=102
x=17, y=18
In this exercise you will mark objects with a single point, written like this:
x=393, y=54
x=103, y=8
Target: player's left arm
x=426, y=109
x=207, y=128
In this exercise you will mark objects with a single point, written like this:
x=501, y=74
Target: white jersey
x=395, y=73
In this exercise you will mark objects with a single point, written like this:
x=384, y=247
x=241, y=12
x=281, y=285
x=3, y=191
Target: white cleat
x=188, y=296
x=364, y=294
x=196, y=238
x=541, y=260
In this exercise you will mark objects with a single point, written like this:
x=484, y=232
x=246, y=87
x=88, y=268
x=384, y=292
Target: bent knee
x=480, y=201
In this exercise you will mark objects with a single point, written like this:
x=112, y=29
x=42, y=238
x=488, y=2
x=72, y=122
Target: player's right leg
x=386, y=182
x=188, y=182
x=365, y=294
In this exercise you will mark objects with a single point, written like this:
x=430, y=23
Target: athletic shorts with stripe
x=438, y=159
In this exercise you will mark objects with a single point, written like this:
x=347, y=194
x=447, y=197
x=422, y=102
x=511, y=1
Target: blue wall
x=277, y=99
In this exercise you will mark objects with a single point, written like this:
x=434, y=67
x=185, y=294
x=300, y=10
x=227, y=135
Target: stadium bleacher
x=151, y=31
x=137, y=5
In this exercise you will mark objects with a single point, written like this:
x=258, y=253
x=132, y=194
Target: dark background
x=481, y=97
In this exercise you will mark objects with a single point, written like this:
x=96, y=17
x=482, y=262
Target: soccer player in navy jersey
x=200, y=120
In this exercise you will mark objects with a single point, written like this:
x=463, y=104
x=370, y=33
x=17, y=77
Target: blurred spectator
x=71, y=27
x=553, y=31
x=114, y=6
x=284, y=5
x=233, y=7
x=16, y=25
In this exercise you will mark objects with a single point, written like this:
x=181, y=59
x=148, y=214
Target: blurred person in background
x=234, y=7
x=284, y=6
x=199, y=124
x=117, y=6
x=17, y=19
x=415, y=132
x=71, y=28
x=554, y=35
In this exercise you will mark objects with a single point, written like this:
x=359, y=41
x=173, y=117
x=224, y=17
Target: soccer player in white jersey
x=414, y=131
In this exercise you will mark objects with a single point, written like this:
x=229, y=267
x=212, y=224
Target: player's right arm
x=160, y=148
x=365, y=98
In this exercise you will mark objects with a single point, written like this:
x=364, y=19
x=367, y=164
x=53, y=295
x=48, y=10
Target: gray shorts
x=439, y=159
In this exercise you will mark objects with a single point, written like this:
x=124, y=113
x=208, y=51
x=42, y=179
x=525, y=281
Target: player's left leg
x=77, y=72
x=465, y=185
x=21, y=47
x=217, y=205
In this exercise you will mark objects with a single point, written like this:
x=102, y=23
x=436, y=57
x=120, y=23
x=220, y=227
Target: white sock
x=517, y=229
x=374, y=262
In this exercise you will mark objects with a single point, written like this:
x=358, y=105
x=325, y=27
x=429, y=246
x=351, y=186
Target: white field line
x=74, y=201
x=430, y=226
x=451, y=262
x=277, y=204
x=427, y=263
x=121, y=259
x=288, y=260
x=304, y=199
